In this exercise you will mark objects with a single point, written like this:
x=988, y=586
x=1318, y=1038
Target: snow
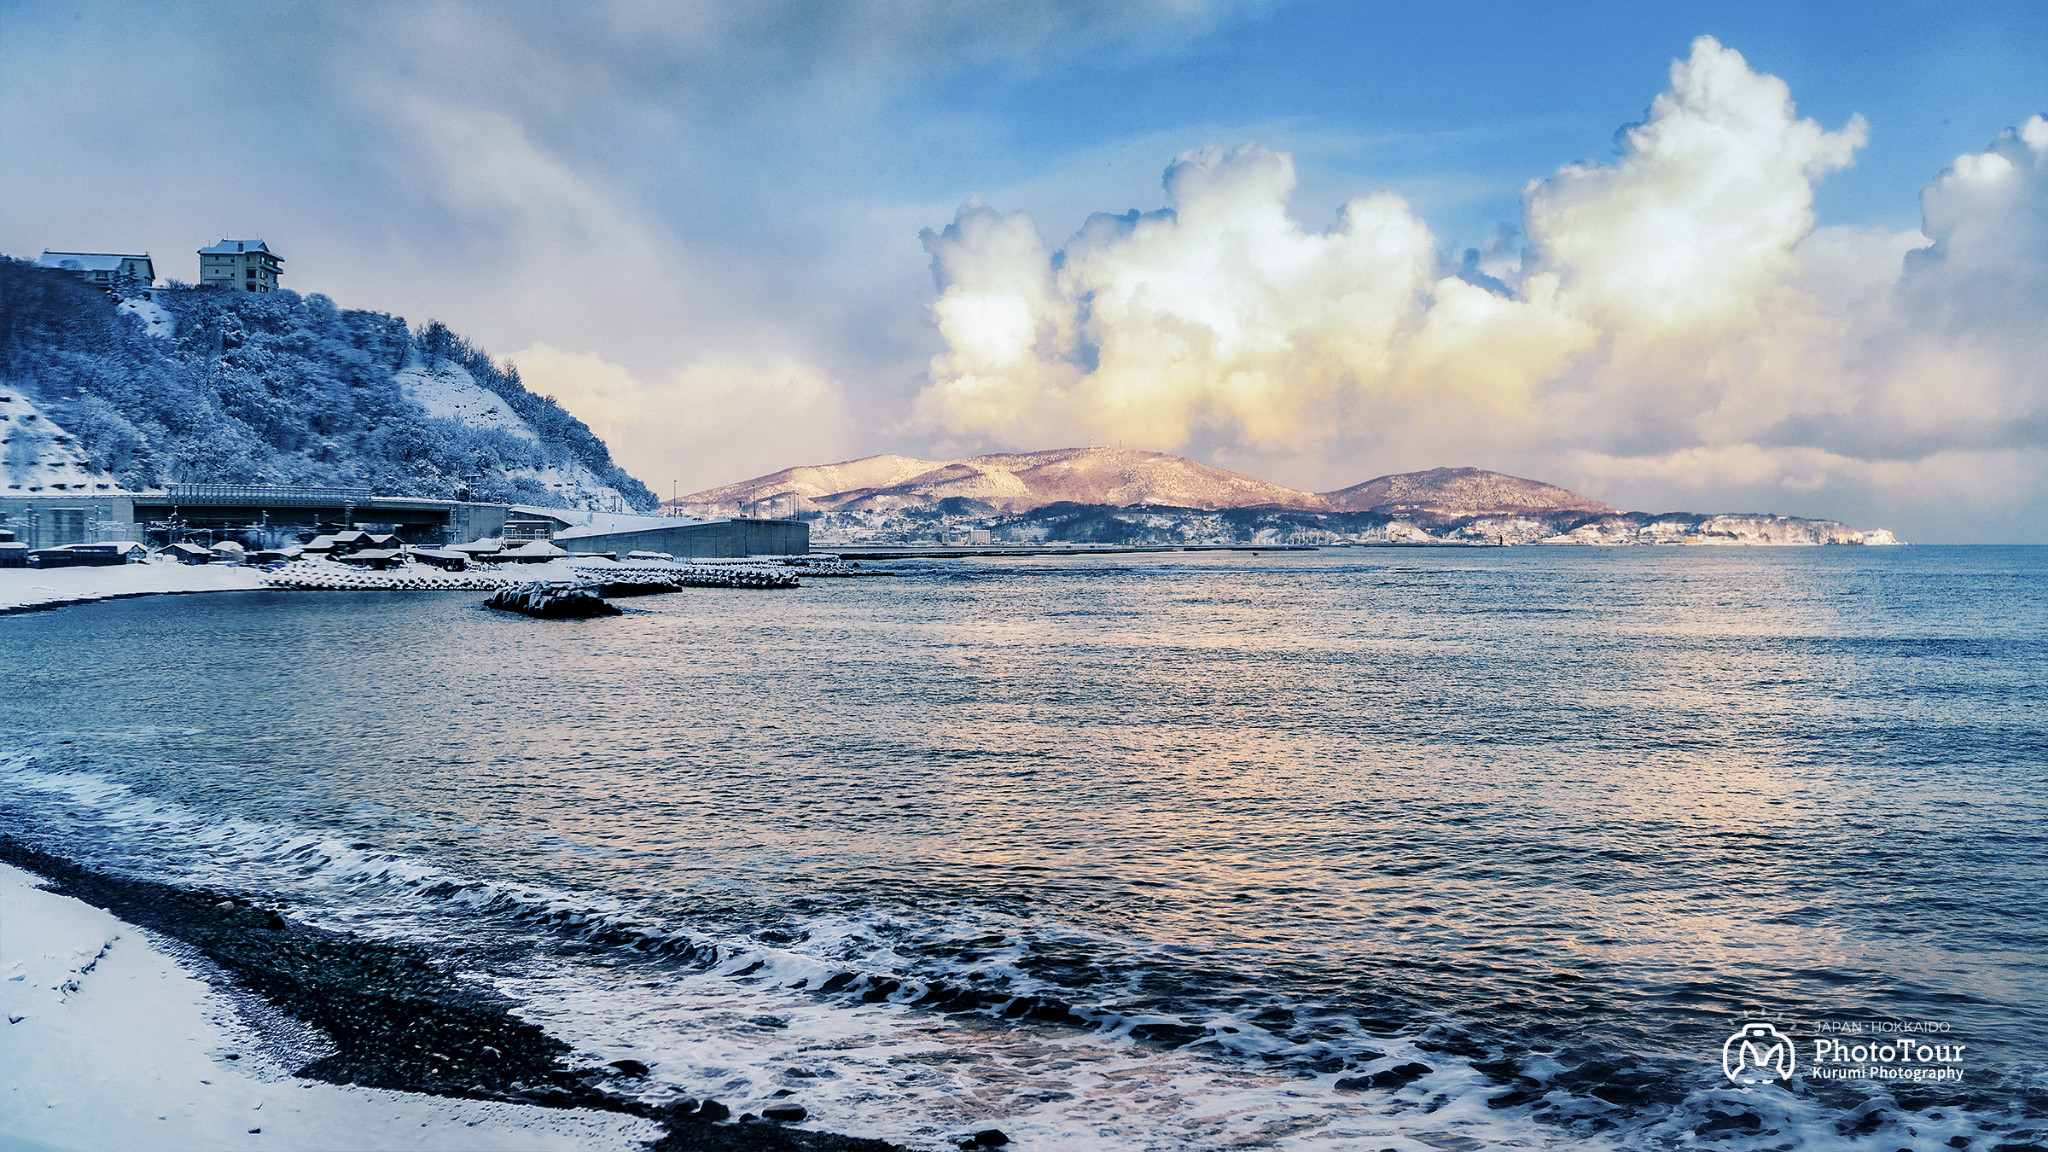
x=83, y=261
x=449, y=392
x=156, y=321
x=588, y=523
x=112, y=1044
x=27, y=587
x=40, y=457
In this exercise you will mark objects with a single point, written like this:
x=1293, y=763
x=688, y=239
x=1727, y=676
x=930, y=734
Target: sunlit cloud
x=1674, y=323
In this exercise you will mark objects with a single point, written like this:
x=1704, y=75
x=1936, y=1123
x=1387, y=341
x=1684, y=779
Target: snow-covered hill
x=448, y=391
x=203, y=386
x=38, y=457
x=1007, y=482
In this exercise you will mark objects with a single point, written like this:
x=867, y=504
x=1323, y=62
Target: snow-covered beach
x=30, y=588
x=113, y=1041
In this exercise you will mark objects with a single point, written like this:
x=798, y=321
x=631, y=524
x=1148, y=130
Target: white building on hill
x=244, y=264
x=110, y=270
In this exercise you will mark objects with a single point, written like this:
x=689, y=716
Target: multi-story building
x=243, y=264
x=113, y=271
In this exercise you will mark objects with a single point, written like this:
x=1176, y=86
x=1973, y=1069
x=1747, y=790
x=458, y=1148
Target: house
x=247, y=265
x=13, y=555
x=532, y=552
x=377, y=559
x=446, y=559
x=187, y=553
x=110, y=270
x=129, y=551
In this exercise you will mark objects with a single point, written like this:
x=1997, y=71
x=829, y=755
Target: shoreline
x=350, y=1016
x=40, y=589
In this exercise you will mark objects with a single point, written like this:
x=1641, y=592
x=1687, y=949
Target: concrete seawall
x=716, y=538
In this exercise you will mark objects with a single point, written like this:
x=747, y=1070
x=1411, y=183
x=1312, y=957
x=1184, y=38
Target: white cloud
x=1677, y=329
x=708, y=422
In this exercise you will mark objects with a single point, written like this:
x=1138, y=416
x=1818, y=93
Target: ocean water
x=1355, y=849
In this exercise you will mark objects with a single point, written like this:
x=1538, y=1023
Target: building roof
x=88, y=261
x=238, y=247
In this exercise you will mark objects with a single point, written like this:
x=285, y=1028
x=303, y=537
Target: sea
x=1416, y=849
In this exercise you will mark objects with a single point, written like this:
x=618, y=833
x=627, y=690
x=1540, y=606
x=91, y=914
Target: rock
x=275, y=923
x=491, y=1052
x=785, y=1113
x=632, y=1068
x=1399, y=1076
x=991, y=1138
x=713, y=1110
x=224, y=906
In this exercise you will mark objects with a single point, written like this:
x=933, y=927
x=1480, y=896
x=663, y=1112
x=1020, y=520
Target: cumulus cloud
x=1676, y=327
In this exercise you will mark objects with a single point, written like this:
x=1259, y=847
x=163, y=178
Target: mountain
x=210, y=386
x=1005, y=482
x=1111, y=496
x=1459, y=492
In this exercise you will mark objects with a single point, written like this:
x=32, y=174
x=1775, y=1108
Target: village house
x=248, y=265
x=114, y=271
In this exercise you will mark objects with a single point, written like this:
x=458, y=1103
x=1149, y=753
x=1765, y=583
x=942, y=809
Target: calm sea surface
x=1352, y=849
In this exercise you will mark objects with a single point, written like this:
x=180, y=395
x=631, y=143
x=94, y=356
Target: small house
x=446, y=559
x=187, y=553
x=114, y=271
x=375, y=559
x=126, y=551
x=532, y=552
x=13, y=555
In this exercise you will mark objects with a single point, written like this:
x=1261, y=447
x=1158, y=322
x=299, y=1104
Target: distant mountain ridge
x=1002, y=482
x=1013, y=482
x=1459, y=492
x=1108, y=495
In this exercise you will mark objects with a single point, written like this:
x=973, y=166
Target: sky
x=1720, y=257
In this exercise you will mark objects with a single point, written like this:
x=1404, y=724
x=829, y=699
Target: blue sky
x=712, y=229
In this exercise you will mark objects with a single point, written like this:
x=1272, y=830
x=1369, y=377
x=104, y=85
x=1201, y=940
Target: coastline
x=35, y=589
x=147, y=1015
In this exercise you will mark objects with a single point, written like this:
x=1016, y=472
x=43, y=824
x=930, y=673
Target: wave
x=921, y=1027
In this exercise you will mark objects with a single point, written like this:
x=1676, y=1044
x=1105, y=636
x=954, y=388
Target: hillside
x=1111, y=496
x=204, y=386
x=1459, y=492
x=1005, y=482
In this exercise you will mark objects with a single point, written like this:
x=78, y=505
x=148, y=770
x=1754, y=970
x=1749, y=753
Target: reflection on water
x=1548, y=819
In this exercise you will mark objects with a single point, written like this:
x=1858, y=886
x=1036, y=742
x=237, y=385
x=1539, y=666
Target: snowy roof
x=237, y=247
x=87, y=261
x=536, y=548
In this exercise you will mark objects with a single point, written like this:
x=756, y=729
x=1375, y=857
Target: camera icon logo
x=1757, y=1054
